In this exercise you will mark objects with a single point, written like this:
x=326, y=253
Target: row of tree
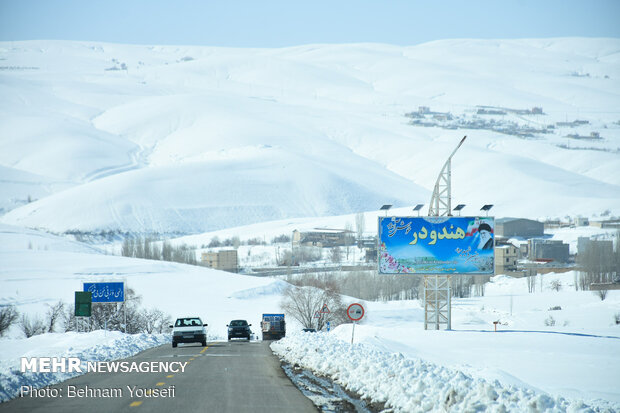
x=156, y=250
x=371, y=286
x=598, y=263
x=127, y=317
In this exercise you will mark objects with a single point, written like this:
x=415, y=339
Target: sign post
x=107, y=292
x=83, y=303
x=355, y=312
x=82, y=306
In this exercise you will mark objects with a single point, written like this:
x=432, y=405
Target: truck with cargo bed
x=273, y=326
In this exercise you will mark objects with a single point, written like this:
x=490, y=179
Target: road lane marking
x=161, y=383
x=135, y=404
x=192, y=359
x=169, y=376
x=204, y=349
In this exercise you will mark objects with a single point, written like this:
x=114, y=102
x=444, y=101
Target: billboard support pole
x=437, y=293
x=437, y=302
x=441, y=201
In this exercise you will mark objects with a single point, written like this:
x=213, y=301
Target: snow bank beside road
x=94, y=346
x=413, y=385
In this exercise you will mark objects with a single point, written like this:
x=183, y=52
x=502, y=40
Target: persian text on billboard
x=436, y=245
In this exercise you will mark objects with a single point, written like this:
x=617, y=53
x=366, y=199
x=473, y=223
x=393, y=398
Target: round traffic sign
x=355, y=312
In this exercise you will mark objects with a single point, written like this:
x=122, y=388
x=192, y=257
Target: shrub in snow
x=280, y=239
x=31, y=326
x=256, y=241
x=556, y=285
x=550, y=322
x=602, y=294
x=556, y=308
x=127, y=317
x=617, y=318
x=8, y=315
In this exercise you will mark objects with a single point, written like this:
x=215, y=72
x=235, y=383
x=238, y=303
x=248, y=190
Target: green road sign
x=83, y=303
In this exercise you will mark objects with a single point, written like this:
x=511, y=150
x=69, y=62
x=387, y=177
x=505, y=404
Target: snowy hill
x=108, y=137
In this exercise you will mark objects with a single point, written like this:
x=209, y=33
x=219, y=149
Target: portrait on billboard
x=436, y=245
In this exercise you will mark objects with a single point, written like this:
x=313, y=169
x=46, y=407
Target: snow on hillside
x=196, y=139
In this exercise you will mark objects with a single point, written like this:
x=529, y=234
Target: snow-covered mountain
x=108, y=137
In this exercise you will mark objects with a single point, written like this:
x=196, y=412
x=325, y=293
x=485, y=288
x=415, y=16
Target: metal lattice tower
x=437, y=302
x=441, y=201
x=437, y=291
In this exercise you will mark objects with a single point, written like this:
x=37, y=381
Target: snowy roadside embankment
x=413, y=385
x=94, y=346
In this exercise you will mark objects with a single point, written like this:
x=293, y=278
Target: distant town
x=522, y=123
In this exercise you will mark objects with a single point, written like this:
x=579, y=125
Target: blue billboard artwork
x=112, y=292
x=436, y=245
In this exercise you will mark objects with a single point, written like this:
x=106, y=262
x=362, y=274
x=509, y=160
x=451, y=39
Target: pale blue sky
x=278, y=23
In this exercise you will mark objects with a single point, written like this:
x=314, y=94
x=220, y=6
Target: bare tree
x=348, y=238
x=31, y=326
x=236, y=242
x=155, y=321
x=313, y=307
x=166, y=251
x=54, y=313
x=598, y=263
x=336, y=255
x=215, y=242
x=602, y=294
x=8, y=315
x=360, y=225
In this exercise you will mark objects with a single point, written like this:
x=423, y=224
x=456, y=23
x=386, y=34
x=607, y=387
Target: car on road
x=189, y=330
x=239, y=329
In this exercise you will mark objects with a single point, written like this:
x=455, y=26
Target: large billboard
x=436, y=245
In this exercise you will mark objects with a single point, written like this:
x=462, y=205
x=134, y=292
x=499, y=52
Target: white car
x=189, y=330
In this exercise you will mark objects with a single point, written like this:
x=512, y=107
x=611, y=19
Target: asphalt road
x=237, y=376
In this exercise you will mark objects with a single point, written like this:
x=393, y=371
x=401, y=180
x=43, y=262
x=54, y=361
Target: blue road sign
x=106, y=292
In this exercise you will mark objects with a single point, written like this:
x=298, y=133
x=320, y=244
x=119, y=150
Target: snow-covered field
x=571, y=366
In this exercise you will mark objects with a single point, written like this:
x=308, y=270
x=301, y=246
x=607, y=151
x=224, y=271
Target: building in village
x=225, y=260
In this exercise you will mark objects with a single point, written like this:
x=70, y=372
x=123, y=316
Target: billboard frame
x=433, y=245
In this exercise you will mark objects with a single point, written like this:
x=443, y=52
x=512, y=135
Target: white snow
x=233, y=137
x=571, y=366
x=93, y=346
x=204, y=141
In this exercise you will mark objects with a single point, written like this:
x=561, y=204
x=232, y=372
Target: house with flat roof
x=518, y=227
